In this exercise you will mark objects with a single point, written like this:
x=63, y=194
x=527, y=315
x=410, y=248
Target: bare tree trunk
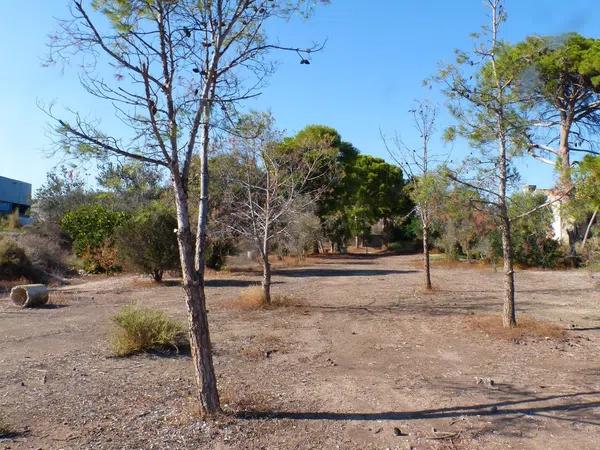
x=589, y=227
x=193, y=285
x=426, y=262
x=509, y=319
x=266, y=281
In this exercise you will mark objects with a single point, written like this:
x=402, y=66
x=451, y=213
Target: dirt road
x=360, y=358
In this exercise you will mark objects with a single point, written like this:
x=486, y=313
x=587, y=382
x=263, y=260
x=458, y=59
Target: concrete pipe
x=29, y=295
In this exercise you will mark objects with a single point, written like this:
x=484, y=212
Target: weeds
x=141, y=329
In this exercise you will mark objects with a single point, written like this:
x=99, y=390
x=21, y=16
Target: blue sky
x=377, y=55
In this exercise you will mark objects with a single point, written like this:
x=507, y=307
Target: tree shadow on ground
x=349, y=256
x=573, y=407
x=410, y=307
x=329, y=272
x=52, y=306
x=216, y=282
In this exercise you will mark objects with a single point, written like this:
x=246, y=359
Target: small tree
x=425, y=188
x=485, y=105
x=275, y=185
x=147, y=241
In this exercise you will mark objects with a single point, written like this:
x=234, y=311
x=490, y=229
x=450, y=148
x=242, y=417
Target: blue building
x=14, y=195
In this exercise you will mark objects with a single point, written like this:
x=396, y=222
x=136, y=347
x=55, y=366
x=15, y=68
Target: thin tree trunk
x=426, y=262
x=509, y=319
x=193, y=286
x=266, y=281
x=588, y=229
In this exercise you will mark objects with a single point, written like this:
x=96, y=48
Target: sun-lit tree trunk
x=193, y=286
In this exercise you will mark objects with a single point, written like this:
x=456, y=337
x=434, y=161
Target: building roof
x=15, y=191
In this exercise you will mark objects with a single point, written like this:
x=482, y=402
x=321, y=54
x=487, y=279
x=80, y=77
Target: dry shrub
x=102, y=259
x=14, y=262
x=238, y=399
x=527, y=328
x=46, y=253
x=142, y=329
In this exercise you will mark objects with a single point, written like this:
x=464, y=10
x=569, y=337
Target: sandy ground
x=361, y=358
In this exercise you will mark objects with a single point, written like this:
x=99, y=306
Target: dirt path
x=359, y=355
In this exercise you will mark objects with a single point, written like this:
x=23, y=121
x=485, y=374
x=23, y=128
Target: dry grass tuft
x=240, y=400
x=141, y=329
x=527, y=328
x=252, y=298
x=263, y=347
x=5, y=428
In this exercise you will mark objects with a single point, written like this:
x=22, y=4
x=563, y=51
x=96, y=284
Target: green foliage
x=217, y=251
x=559, y=85
x=14, y=262
x=463, y=221
x=142, y=329
x=147, y=241
x=92, y=229
x=587, y=191
x=63, y=191
x=131, y=185
x=373, y=190
x=532, y=242
x=360, y=189
x=558, y=62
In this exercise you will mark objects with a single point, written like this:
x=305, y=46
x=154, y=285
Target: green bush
x=217, y=251
x=142, y=329
x=91, y=227
x=532, y=242
x=14, y=263
x=147, y=242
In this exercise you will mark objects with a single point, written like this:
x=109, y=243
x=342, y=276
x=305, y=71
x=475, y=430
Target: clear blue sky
x=377, y=54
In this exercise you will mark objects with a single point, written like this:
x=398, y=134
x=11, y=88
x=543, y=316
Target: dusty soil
x=360, y=358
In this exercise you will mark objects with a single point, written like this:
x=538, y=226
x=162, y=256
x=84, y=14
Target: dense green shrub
x=147, y=242
x=14, y=263
x=532, y=241
x=91, y=227
x=217, y=251
x=142, y=329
